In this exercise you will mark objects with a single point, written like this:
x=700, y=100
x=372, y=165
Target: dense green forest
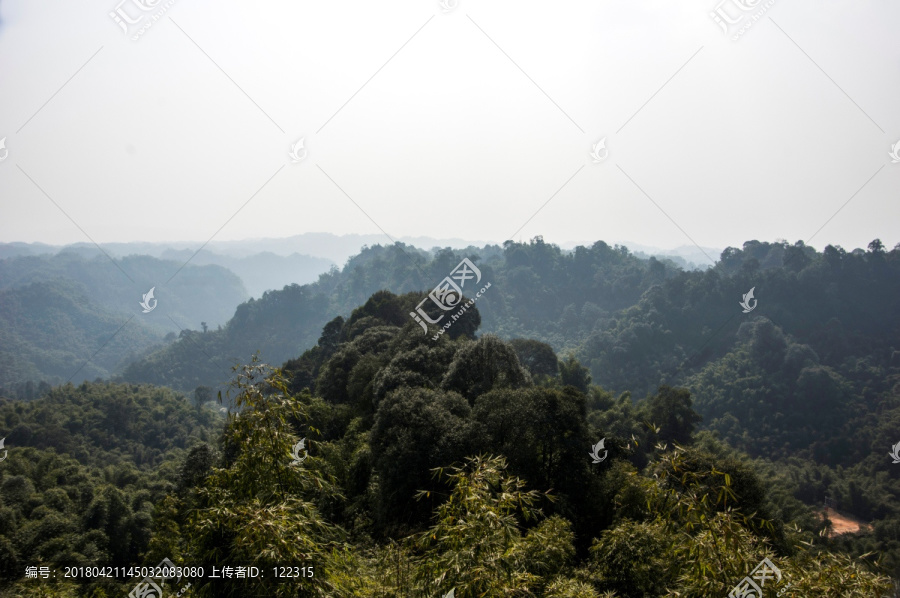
x=86, y=466
x=596, y=426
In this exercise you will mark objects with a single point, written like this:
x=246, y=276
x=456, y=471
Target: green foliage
x=633, y=559
x=259, y=508
x=571, y=588
x=688, y=319
x=85, y=466
x=670, y=414
x=572, y=373
x=415, y=431
x=542, y=434
x=778, y=389
x=476, y=544
x=482, y=365
x=695, y=542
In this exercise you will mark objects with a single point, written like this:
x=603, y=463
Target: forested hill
x=840, y=305
x=635, y=323
x=192, y=293
x=66, y=316
x=50, y=329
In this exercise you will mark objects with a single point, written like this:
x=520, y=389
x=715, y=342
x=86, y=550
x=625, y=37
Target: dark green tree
x=482, y=365
x=572, y=373
x=536, y=357
x=415, y=431
x=671, y=411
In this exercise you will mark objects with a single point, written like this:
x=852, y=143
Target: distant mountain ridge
x=260, y=271
x=336, y=249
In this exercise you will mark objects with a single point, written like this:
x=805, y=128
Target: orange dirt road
x=844, y=524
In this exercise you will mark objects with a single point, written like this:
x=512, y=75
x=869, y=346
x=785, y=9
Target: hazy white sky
x=458, y=124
